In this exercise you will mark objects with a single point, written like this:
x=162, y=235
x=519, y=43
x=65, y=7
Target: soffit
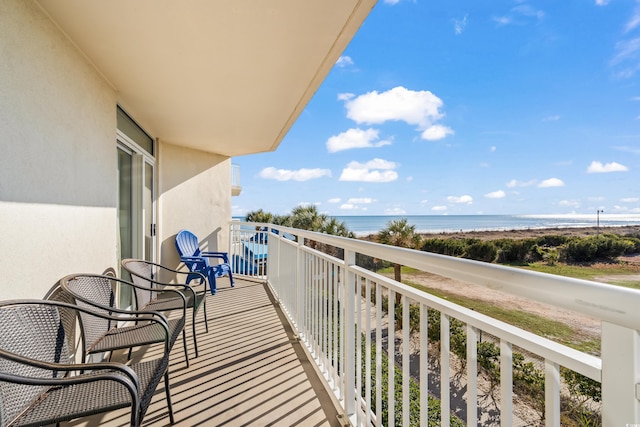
x=228, y=77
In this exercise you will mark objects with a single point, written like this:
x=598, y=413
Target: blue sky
x=468, y=107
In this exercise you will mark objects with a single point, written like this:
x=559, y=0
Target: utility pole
x=598, y=212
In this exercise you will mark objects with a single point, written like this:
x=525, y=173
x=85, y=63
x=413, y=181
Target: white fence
x=344, y=314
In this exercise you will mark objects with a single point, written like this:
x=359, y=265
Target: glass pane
x=147, y=206
x=130, y=128
x=125, y=214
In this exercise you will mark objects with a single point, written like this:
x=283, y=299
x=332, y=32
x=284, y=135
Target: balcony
x=236, y=188
x=304, y=336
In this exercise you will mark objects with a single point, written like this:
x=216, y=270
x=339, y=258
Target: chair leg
x=231, y=279
x=168, y=393
x=184, y=341
x=204, y=308
x=193, y=328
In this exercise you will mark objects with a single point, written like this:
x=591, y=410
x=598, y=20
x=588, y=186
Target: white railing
x=341, y=312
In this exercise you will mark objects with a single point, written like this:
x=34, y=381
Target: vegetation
x=399, y=233
x=551, y=249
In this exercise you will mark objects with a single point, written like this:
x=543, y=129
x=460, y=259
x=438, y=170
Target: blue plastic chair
x=197, y=261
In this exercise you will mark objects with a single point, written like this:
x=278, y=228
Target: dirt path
x=586, y=327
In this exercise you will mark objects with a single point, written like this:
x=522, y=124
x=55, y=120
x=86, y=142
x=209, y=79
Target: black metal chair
x=41, y=384
x=146, y=275
x=134, y=327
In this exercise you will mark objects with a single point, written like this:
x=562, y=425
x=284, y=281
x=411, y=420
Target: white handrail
x=316, y=291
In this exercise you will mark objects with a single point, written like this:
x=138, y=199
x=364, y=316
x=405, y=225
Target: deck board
x=251, y=371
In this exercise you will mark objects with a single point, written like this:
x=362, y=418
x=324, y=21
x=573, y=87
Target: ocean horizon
x=363, y=225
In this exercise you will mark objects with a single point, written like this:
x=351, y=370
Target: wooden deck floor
x=250, y=371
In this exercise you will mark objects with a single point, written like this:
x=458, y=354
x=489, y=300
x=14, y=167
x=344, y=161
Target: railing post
x=620, y=375
x=349, y=336
x=300, y=287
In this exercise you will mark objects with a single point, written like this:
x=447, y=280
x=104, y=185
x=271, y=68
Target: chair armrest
x=122, y=369
x=107, y=371
x=145, y=288
x=221, y=255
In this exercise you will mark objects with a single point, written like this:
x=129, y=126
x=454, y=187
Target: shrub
x=552, y=240
x=515, y=251
x=589, y=249
x=451, y=247
x=482, y=251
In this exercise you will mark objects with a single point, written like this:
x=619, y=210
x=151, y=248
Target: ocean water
x=363, y=225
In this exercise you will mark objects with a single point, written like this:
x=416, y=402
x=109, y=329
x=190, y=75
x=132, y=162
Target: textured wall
x=58, y=171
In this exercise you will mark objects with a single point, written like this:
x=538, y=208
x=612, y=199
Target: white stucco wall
x=58, y=173
x=194, y=193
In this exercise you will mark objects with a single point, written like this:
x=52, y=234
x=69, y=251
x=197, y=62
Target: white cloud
x=515, y=183
x=527, y=10
x=439, y=208
x=551, y=182
x=495, y=195
x=493, y=148
x=634, y=21
x=345, y=96
x=598, y=167
x=554, y=118
x=355, y=138
x=419, y=108
x=334, y=200
x=461, y=199
x=625, y=60
x=295, y=175
x=361, y=200
x=520, y=15
x=391, y=2
x=502, y=20
x=436, y=132
x=569, y=203
x=344, y=61
x=409, y=178
x=630, y=200
x=602, y=2
x=376, y=170
x=423, y=202
x=395, y=211
x=459, y=25
x=348, y=207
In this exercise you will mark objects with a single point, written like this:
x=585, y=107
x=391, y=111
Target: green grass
x=587, y=272
x=530, y=322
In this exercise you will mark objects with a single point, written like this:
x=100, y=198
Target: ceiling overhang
x=223, y=77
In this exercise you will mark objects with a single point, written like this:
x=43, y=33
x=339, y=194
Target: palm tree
x=307, y=218
x=399, y=233
x=336, y=228
x=259, y=216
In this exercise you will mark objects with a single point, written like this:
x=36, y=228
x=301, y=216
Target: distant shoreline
x=527, y=233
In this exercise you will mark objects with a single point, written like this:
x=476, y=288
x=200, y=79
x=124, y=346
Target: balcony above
x=224, y=77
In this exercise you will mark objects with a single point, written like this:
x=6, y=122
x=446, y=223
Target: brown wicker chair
x=146, y=275
x=39, y=382
x=99, y=293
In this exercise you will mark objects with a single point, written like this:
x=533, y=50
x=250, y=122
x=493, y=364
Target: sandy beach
x=537, y=232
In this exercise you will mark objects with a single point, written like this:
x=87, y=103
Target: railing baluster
x=349, y=336
x=367, y=342
x=551, y=394
x=472, y=376
x=424, y=365
x=391, y=357
x=506, y=384
x=358, y=358
x=336, y=341
x=445, y=373
x=378, y=354
x=406, y=364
